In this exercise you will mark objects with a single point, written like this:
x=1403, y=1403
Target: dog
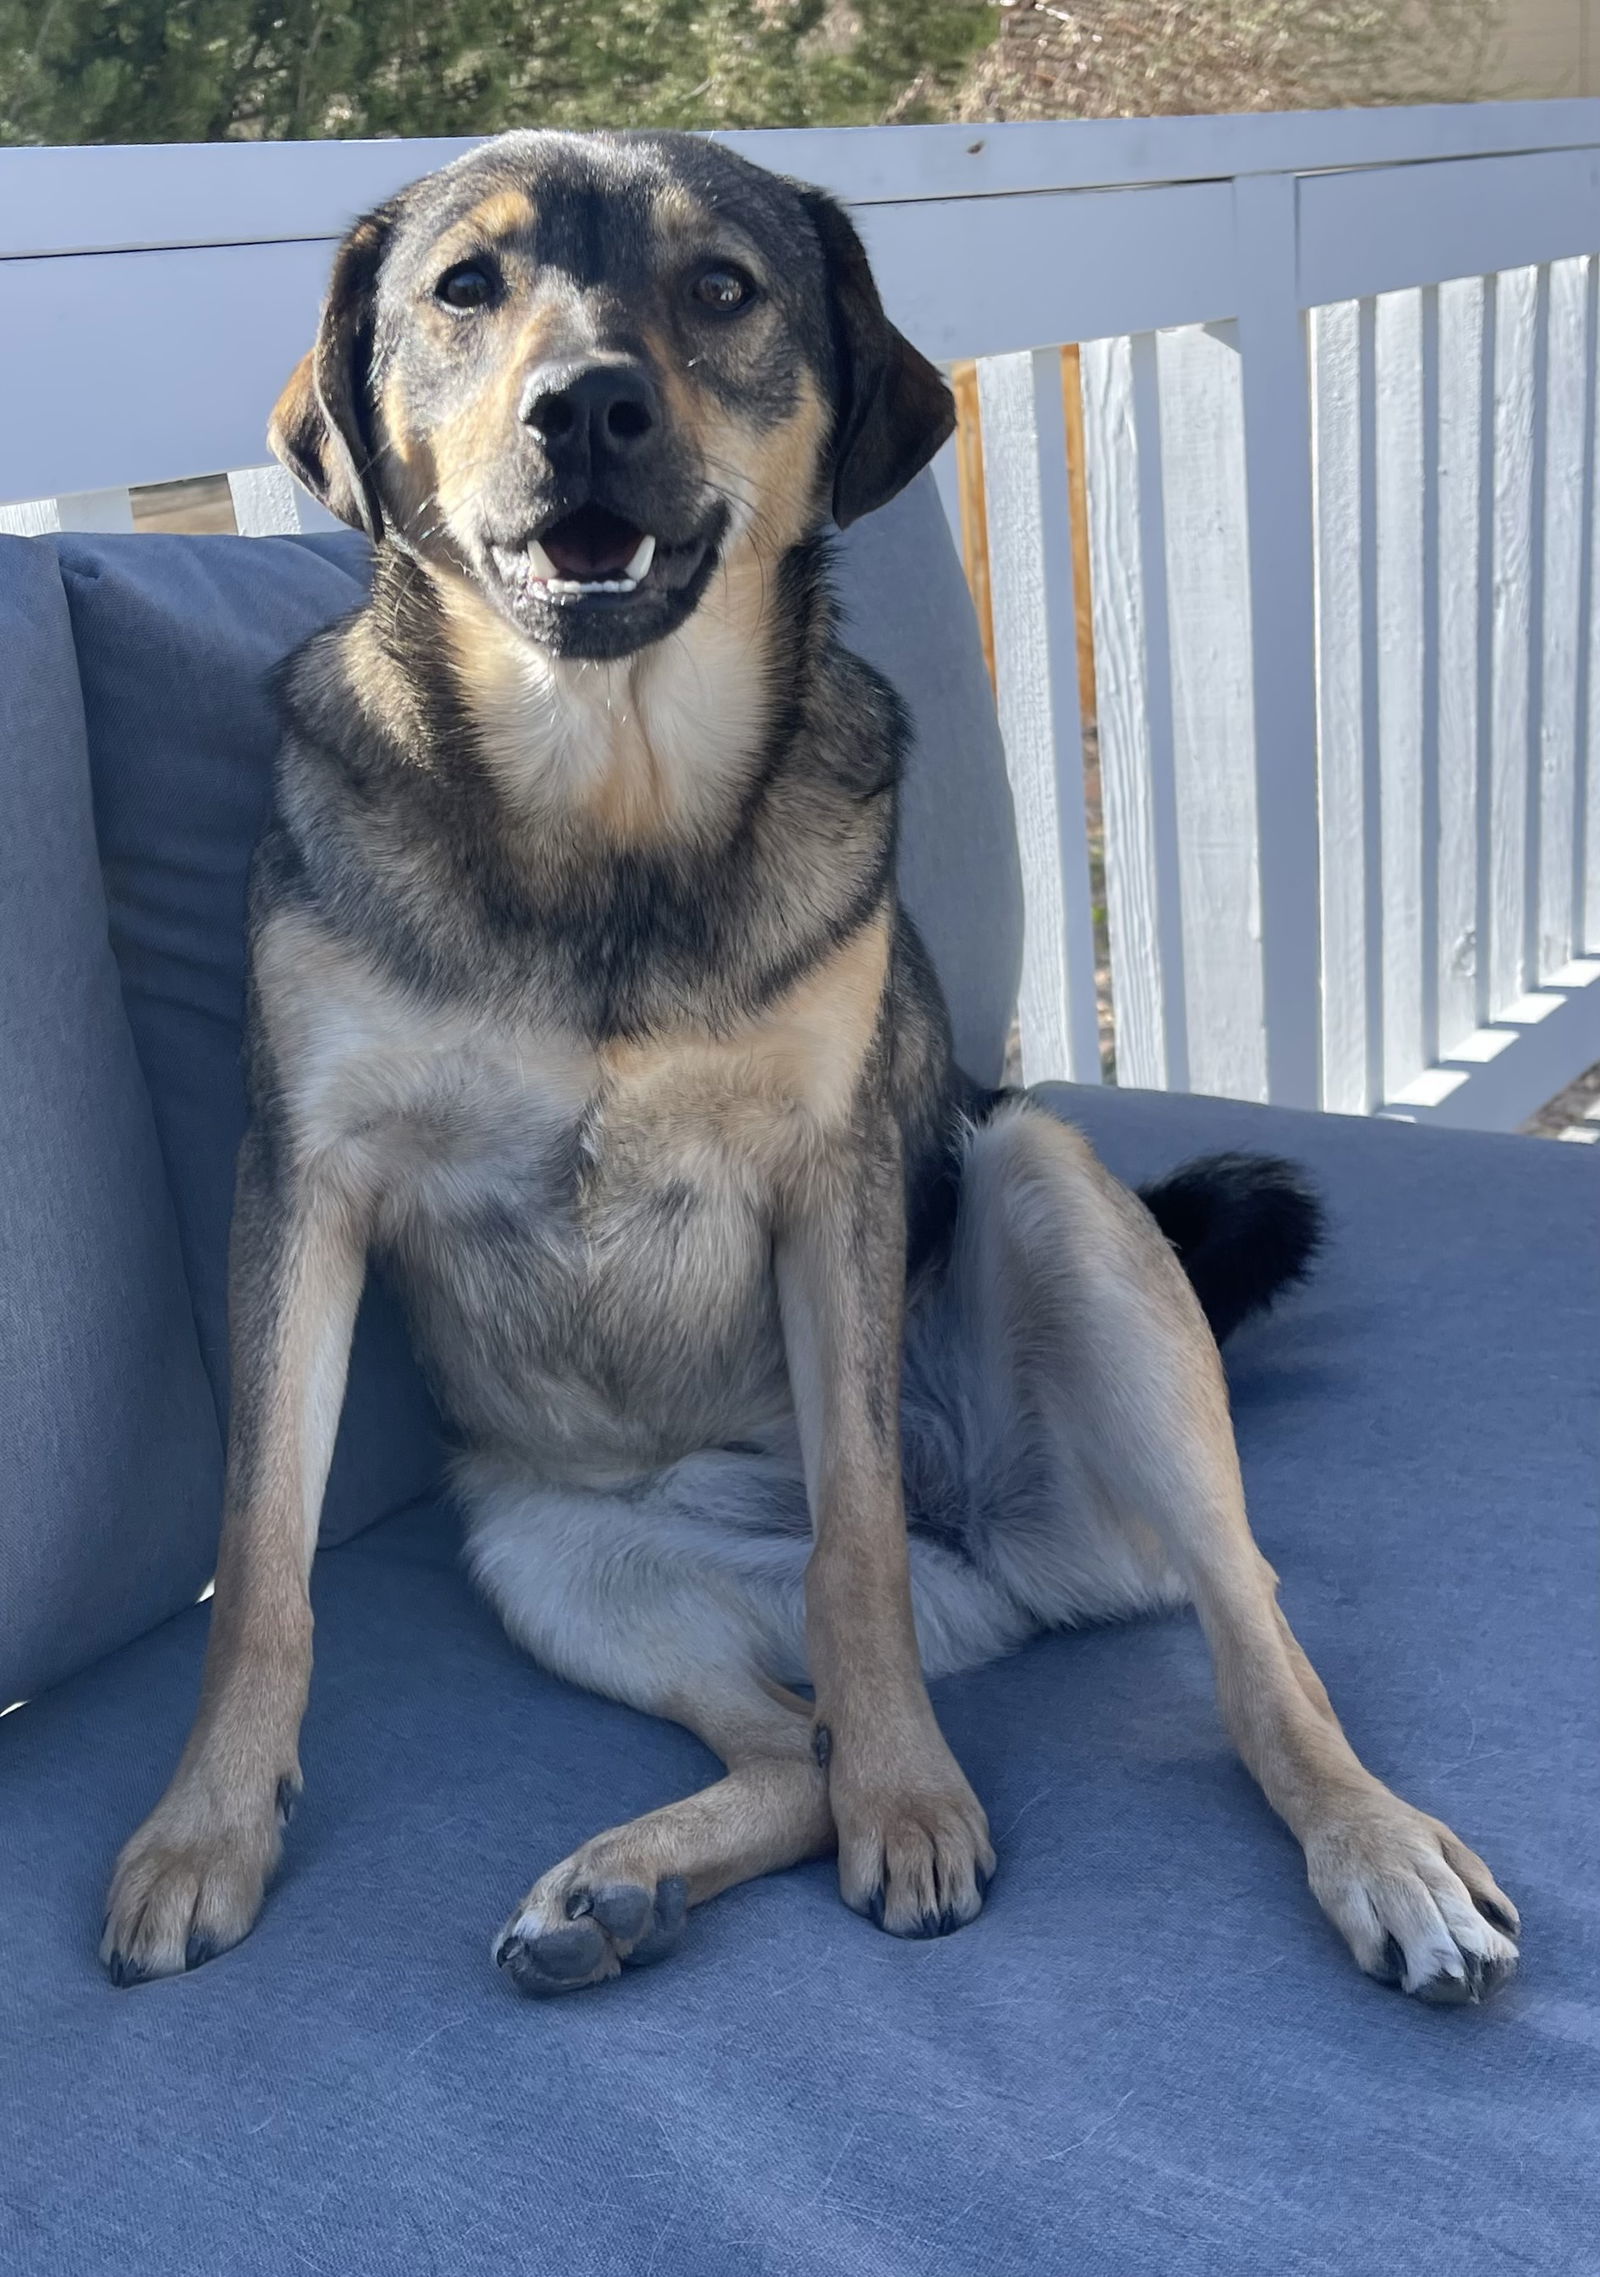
x=779, y=1352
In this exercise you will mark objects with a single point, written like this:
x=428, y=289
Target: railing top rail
x=148, y=196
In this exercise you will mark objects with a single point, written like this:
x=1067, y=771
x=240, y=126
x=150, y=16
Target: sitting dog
x=779, y=1353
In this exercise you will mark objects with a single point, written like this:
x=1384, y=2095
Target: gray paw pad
x=552, y=1960
x=665, y=1933
x=611, y=1923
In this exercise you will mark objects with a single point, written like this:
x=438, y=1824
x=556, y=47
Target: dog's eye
x=469, y=285
x=722, y=288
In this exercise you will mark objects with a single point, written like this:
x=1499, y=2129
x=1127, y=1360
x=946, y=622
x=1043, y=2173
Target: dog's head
x=582, y=372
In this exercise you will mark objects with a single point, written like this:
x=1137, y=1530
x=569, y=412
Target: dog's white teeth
x=644, y=553
x=571, y=588
x=541, y=566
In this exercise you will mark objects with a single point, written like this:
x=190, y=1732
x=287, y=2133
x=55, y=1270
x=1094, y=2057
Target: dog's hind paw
x=1416, y=1906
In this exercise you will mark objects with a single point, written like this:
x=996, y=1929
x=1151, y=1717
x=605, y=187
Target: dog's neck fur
x=656, y=746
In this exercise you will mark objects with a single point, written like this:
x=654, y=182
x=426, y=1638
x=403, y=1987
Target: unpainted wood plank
x=974, y=508
x=1078, y=506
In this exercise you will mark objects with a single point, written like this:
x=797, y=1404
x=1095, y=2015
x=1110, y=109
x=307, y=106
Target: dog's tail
x=1245, y=1227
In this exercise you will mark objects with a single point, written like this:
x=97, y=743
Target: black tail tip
x=1245, y=1227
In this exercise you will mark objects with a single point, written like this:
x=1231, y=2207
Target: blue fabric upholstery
x=906, y=609
x=176, y=640
x=111, y=1454
x=1150, y=2058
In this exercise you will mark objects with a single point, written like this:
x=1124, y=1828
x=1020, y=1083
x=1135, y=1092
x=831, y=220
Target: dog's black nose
x=583, y=412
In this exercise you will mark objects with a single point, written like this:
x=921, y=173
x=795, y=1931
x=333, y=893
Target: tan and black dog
x=581, y=997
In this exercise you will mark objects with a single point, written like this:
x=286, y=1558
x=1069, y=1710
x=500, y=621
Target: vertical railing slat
x=1483, y=798
x=1538, y=452
x=1402, y=662
x=269, y=503
x=1349, y=1045
x=1517, y=303
x=1428, y=787
x=1567, y=477
x=1336, y=522
x=1209, y=617
x=1277, y=449
x=1133, y=680
x=1373, y=913
x=1462, y=508
x=1035, y=636
x=1586, y=822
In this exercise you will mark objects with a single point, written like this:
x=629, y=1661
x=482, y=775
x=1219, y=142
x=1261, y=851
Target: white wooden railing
x=1339, y=376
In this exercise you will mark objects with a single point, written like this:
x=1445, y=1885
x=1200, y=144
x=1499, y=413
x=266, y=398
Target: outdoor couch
x=1151, y=2054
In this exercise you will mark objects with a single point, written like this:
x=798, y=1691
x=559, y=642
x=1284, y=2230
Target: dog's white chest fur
x=557, y=1213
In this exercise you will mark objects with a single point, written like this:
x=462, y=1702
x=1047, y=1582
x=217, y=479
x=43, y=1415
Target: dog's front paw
x=914, y=1849
x=1415, y=1905
x=587, y=1921
x=190, y=1882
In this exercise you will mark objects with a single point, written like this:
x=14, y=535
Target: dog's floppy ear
x=322, y=426
x=894, y=410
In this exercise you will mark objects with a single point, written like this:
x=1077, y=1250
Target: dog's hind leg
x=1075, y=1310
x=649, y=1600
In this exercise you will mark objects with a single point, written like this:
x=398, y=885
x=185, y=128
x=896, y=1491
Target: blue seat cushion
x=1151, y=2055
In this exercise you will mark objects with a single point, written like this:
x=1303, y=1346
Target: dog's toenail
x=579, y=1903
x=822, y=1745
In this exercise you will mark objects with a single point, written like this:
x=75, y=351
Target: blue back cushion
x=176, y=641
x=110, y=1452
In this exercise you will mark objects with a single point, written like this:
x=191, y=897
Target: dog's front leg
x=189, y=1883
x=914, y=1850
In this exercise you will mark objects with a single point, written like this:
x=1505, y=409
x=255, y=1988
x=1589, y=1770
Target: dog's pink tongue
x=591, y=543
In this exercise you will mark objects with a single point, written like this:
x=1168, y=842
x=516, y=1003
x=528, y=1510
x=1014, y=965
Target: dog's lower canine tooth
x=540, y=565
x=644, y=553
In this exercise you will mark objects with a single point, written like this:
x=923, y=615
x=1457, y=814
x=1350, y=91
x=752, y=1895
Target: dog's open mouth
x=595, y=555
x=593, y=582
x=591, y=551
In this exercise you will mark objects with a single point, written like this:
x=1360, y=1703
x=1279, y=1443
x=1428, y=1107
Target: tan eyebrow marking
x=504, y=213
